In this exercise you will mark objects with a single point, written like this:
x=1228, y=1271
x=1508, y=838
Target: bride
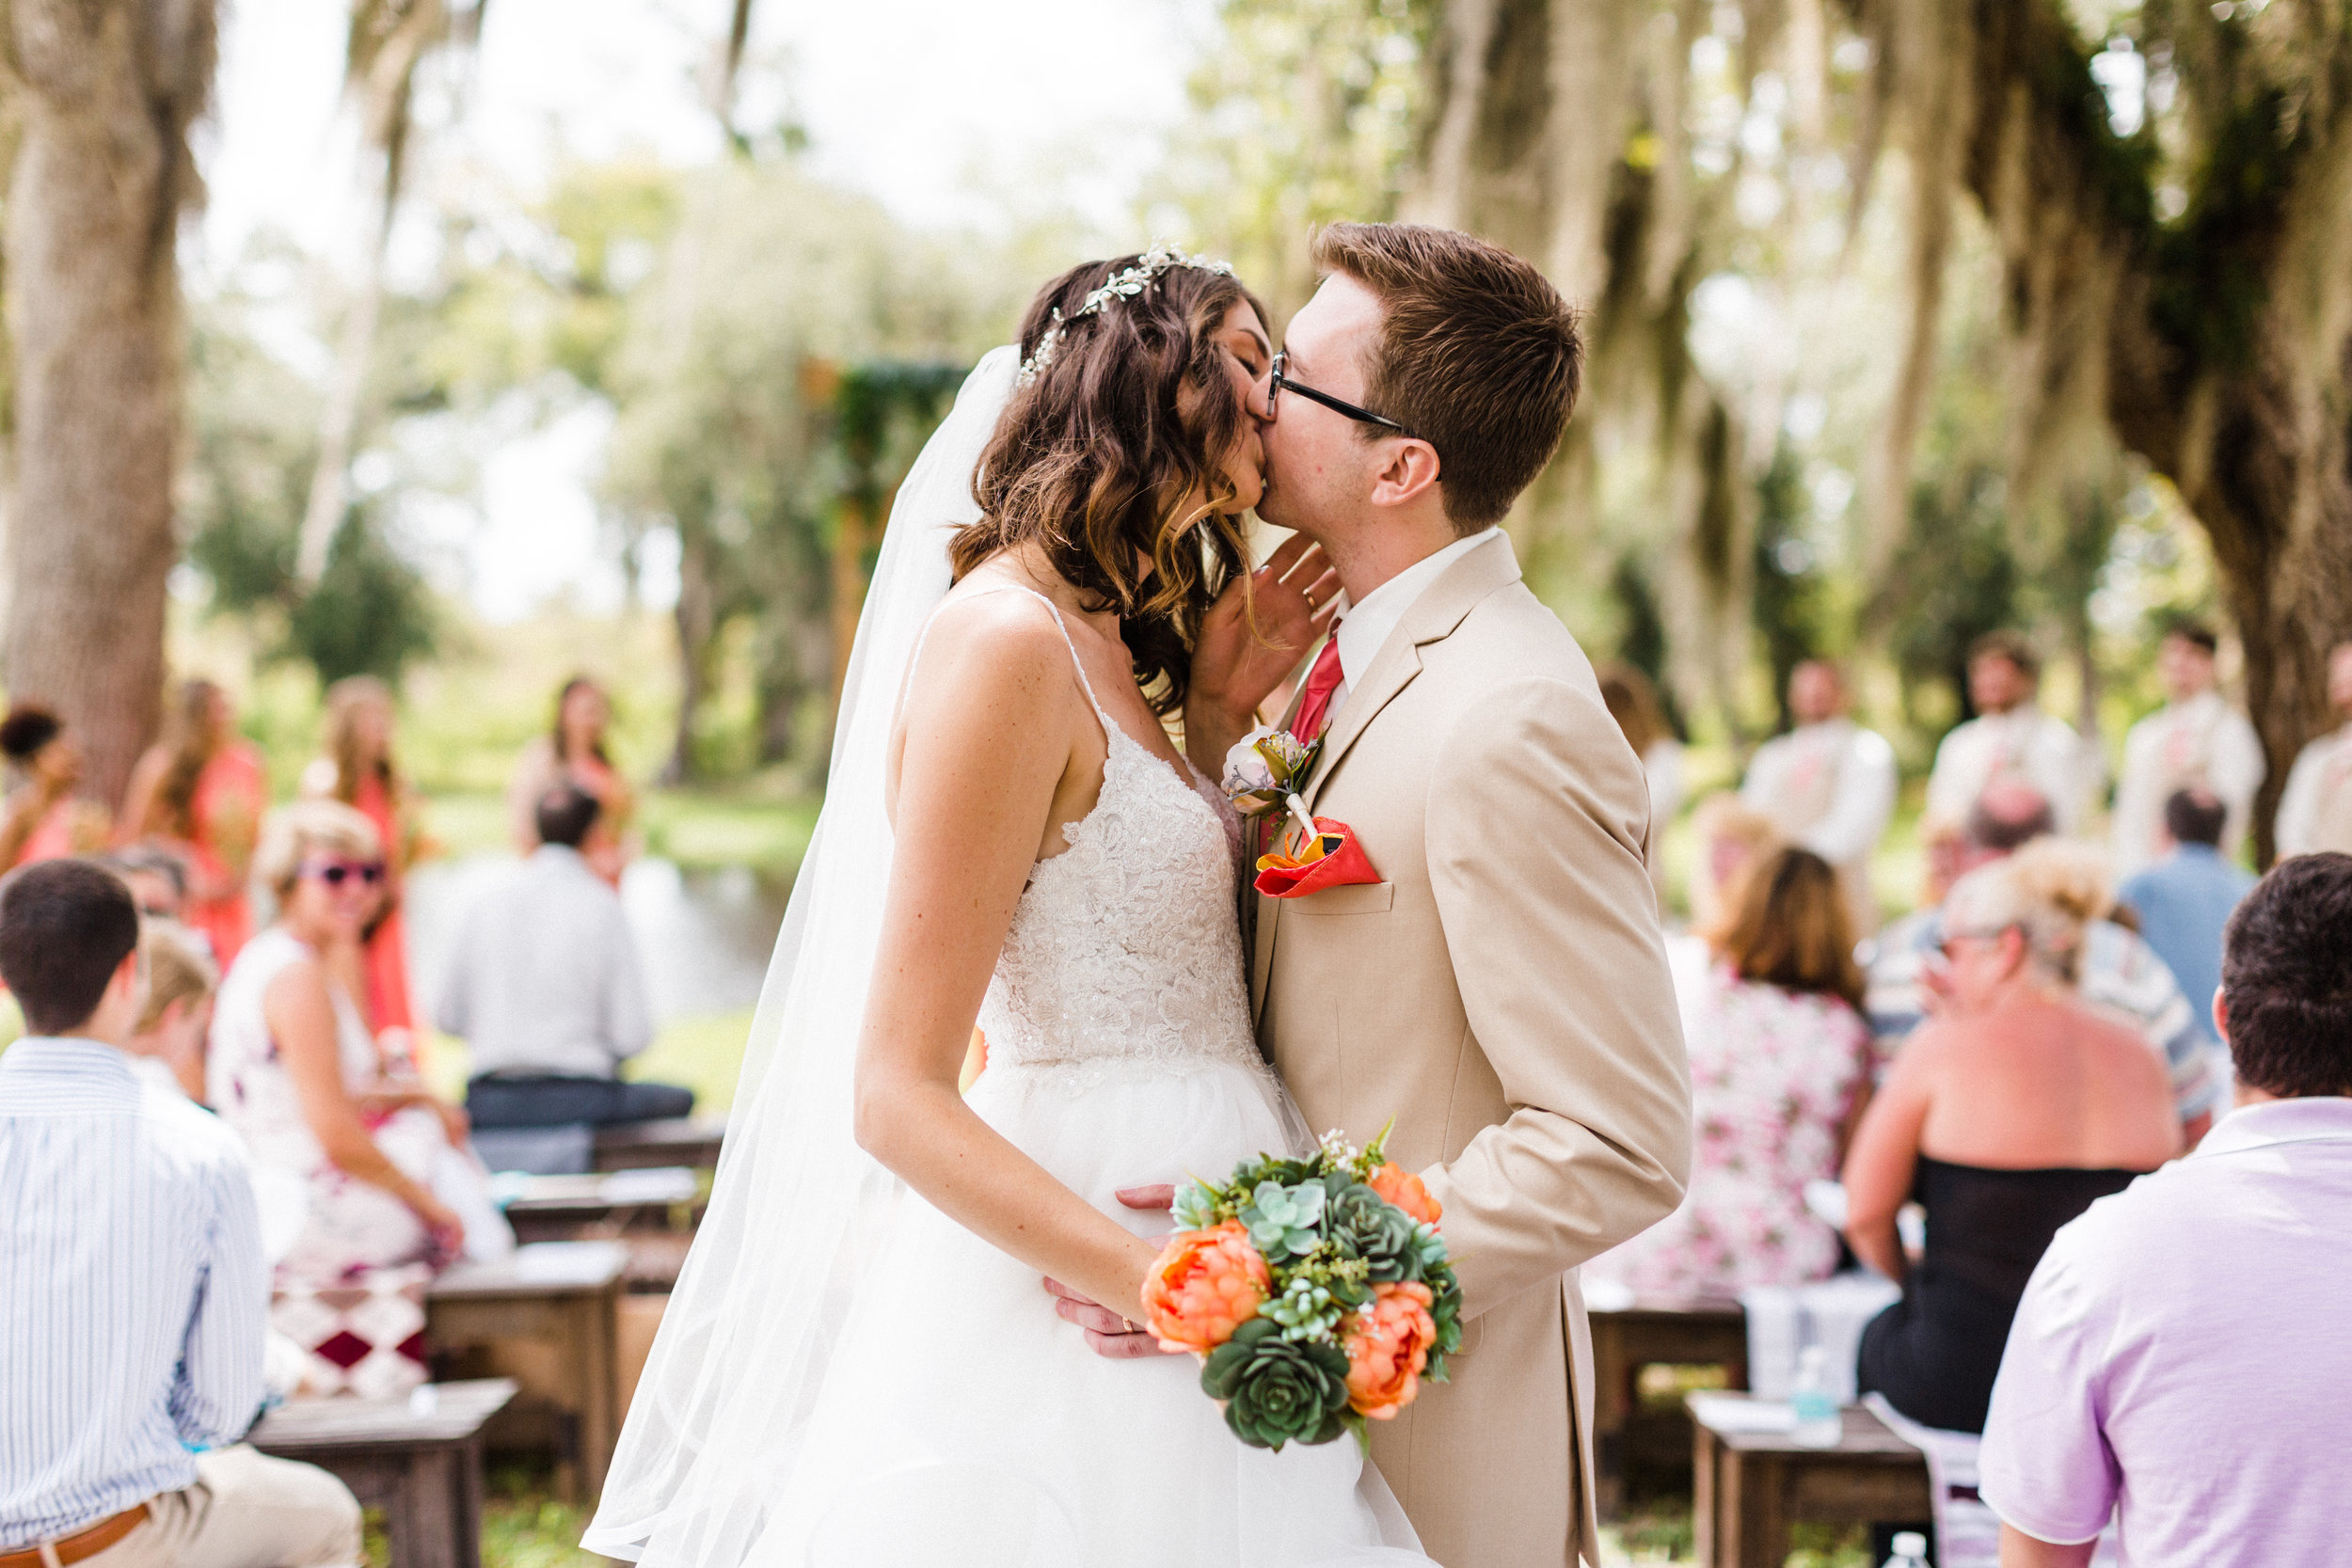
x=861, y=1364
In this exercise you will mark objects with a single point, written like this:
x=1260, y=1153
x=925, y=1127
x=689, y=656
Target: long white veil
x=747, y=1337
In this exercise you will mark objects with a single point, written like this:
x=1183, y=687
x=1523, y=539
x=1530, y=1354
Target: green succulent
x=1367, y=1225
x=1276, y=1389
x=1284, y=1221
x=1197, y=1207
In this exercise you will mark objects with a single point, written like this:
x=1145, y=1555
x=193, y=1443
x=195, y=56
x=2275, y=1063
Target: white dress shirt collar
x=1365, y=627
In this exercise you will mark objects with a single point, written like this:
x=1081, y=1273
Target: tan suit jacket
x=1503, y=995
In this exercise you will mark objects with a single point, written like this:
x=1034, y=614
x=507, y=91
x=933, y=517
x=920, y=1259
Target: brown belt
x=81, y=1544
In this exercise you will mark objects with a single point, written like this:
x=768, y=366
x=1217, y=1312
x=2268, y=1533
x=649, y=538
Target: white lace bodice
x=1124, y=951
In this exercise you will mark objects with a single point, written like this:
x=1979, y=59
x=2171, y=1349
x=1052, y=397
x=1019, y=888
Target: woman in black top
x=2013, y=1109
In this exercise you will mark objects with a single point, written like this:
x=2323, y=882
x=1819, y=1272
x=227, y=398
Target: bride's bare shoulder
x=1000, y=647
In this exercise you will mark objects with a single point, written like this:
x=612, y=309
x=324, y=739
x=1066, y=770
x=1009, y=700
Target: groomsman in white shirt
x=2197, y=740
x=2010, y=737
x=1828, y=785
x=2315, y=813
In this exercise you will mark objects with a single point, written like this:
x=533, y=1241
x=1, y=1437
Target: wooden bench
x=606, y=1206
x=687, y=1141
x=417, y=1457
x=1751, y=1485
x=1702, y=1331
x=565, y=1295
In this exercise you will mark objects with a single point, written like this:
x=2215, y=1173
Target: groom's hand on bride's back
x=1107, y=1334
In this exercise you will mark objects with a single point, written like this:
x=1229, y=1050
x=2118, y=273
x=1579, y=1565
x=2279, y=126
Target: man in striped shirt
x=135, y=1297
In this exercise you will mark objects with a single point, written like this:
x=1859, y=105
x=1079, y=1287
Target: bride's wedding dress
x=846, y=1378
x=969, y=1423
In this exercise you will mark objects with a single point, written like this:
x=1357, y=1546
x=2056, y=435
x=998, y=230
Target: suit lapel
x=1431, y=619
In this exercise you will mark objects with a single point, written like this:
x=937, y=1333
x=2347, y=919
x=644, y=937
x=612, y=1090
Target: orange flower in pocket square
x=1334, y=859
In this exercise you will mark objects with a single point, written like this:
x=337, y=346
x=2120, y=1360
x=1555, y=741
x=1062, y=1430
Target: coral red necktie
x=1324, y=679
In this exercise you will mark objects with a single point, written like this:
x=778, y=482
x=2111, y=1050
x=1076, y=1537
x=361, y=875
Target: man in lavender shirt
x=2182, y=1356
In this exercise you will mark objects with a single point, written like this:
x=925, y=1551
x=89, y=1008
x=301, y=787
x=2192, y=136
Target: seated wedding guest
x=2315, y=810
x=2008, y=1112
x=1731, y=838
x=2178, y=1359
x=2182, y=901
x=1771, y=1013
x=203, y=788
x=181, y=980
x=294, y=1070
x=132, y=1321
x=2116, y=969
x=544, y=987
x=1632, y=702
x=158, y=880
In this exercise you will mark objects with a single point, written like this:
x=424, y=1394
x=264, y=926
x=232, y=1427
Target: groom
x=1502, y=992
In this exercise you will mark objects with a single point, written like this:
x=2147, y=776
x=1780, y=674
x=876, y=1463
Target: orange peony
x=1204, y=1285
x=1388, y=1350
x=1403, y=1189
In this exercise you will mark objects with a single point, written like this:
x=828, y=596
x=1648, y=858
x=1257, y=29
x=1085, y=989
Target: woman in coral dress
x=204, y=789
x=574, y=751
x=44, y=819
x=359, y=769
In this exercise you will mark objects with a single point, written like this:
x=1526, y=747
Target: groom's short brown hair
x=1478, y=355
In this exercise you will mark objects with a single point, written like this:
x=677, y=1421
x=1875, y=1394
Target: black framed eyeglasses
x=1279, y=383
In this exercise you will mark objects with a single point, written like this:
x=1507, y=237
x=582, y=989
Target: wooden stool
x=416, y=1457
x=564, y=1294
x=1653, y=1331
x=1751, y=1486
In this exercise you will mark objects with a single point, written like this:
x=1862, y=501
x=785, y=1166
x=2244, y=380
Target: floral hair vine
x=1161, y=259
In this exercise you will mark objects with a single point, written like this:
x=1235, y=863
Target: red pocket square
x=1335, y=859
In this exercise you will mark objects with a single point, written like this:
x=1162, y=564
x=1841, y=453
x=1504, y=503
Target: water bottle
x=1818, y=1425
x=1911, y=1550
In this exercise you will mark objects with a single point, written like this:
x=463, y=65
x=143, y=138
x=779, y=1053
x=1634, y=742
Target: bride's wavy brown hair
x=1093, y=463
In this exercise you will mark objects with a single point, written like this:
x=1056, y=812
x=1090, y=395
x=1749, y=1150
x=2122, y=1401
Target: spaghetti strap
x=1059, y=625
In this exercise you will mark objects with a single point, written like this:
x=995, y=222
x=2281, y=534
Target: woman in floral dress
x=1772, y=1013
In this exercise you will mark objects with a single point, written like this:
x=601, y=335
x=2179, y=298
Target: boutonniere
x=1263, y=773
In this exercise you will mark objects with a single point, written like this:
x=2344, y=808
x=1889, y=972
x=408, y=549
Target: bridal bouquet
x=1316, y=1290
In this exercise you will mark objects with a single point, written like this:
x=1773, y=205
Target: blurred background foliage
x=767, y=350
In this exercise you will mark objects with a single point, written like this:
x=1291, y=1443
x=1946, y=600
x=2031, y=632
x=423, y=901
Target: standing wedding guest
x=44, y=819
x=2179, y=1359
x=1828, y=784
x=2010, y=738
x=545, y=989
x=202, y=789
x=1779, y=1056
x=2315, y=811
x=2197, y=739
x=1632, y=702
x=177, y=1014
x=2184, y=901
x=2005, y=1115
x=575, y=751
x=359, y=769
x=2116, y=969
x=294, y=1070
x=132, y=1321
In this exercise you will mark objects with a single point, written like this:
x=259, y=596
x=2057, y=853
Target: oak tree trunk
x=104, y=90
